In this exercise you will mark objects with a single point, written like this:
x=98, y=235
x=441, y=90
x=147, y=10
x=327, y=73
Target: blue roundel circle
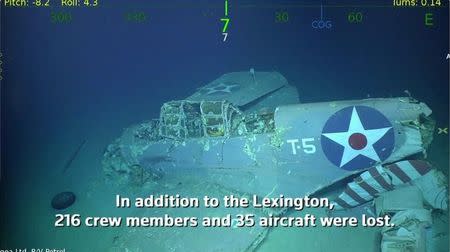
x=357, y=137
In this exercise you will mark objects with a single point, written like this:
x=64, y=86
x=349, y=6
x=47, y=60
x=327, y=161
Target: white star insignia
x=356, y=129
x=221, y=87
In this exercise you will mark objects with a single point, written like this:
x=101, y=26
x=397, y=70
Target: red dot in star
x=357, y=141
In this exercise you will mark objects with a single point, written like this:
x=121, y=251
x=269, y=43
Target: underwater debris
x=249, y=149
x=276, y=140
x=73, y=156
x=426, y=125
x=63, y=200
x=137, y=175
x=236, y=136
x=253, y=137
x=152, y=168
x=115, y=165
x=148, y=131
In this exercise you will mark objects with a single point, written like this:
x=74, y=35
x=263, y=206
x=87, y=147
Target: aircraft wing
x=247, y=89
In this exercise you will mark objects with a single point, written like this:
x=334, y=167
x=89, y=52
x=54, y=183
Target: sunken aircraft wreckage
x=246, y=133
